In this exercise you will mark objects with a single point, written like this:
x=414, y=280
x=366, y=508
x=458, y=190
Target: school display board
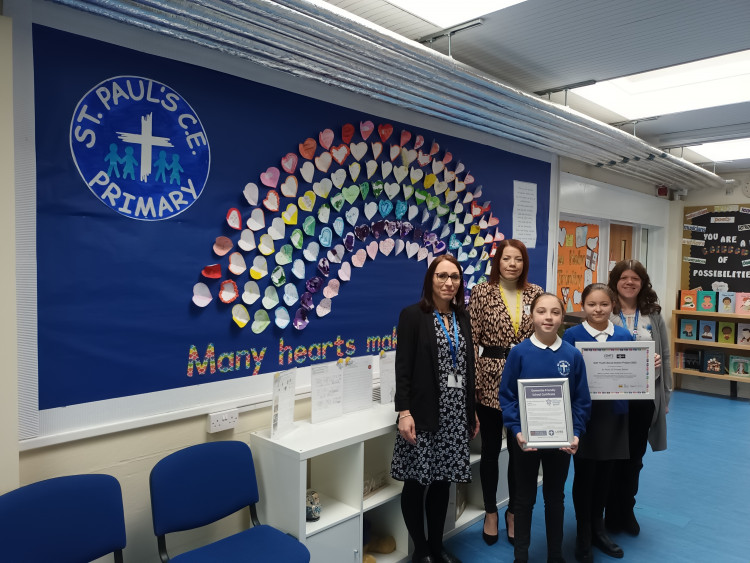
x=195, y=227
x=577, y=260
x=716, y=248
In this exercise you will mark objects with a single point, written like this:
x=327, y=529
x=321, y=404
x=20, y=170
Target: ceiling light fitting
x=449, y=32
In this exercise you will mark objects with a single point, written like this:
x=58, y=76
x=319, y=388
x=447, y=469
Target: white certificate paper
x=357, y=374
x=524, y=212
x=387, y=377
x=282, y=411
x=619, y=370
x=327, y=391
x=544, y=407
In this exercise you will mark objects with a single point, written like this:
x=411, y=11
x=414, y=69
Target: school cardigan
x=417, y=384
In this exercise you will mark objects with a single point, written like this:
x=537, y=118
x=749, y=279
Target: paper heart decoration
x=448, y=176
x=349, y=241
x=284, y=255
x=362, y=231
x=395, y=150
x=277, y=230
x=290, y=294
x=407, y=157
x=308, y=226
x=347, y=132
x=364, y=189
x=265, y=245
x=251, y=292
x=337, y=201
x=377, y=149
x=289, y=187
x=385, y=169
x=290, y=215
x=401, y=208
x=482, y=223
x=234, y=219
x=478, y=192
x=415, y=175
x=468, y=197
x=359, y=258
x=306, y=201
x=454, y=243
x=240, y=315
x=324, y=307
x=445, y=232
x=371, y=167
x=307, y=148
x=459, y=185
x=289, y=163
x=420, y=196
x=270, y=297
x=366, y=128
x=392, y=190
x=339, y=177
x=385, y=207
x=298, y=269
x=468, y=218
x=359, y=150
x=323, y=188
x=354, y=170
x=422, y=254
x=385, y=130
x=297, y=238
x=493, y=221
x=323, y=162
x=435, y=223
x=201, y=294
x=311, y=251
x=352, y=215
x=423, y=159
x=442, y=210
x=260, y=321
x=222, y=245
x=278, y=277
x=325, y=237
x=468, y=270
x=435, y=148
x=213, y=271
x=236, y=263
x=251, y=194
x=432, y=202
x=419, y=141
x=340, y=153
x=386, y=246
x=335, y=255
x=377, y=188
x=468, y=179
x=307, y=171
x=281, y=317
x=332, y=289
x=440, y=187
x=324, y=212
x=458, y=227
x=324, y=267
x=408, y=191
x=351, y=193
x=345, y=272
x=259, y=269
x=372, y=250
x=399, y=246
x=450, y=196
x=377, y=228
x=338, y=226
x=438, y=246
x=458, y=208
x=437, y=166
x=300, y=319
x=247, y=240
x=411, y=249
x=459, y=167
x=391, y=227
x=271, y=201
x=370, y=209
x=326, y=138
x=405, y=137
x=400, y=172
x=413, y=210
x=270, y=177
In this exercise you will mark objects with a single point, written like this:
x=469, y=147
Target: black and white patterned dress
x=441, y=455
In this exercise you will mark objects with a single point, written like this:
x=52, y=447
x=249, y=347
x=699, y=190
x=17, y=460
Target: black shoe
x=583, y=551
x=511, y=540
x=600, y=539
x=445, y=557
x=488, y=539
x=425, y=559
x=630, y=524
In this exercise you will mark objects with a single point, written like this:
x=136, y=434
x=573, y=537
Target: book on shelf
x=688, y=329
x=739, y=365
x=706, y=301
x=726, y=332
x=725, y=302
x=713, y=362
x=688, y=299
x=707, y=331
x=691, y=359
x=743, y=334
x=742, y=303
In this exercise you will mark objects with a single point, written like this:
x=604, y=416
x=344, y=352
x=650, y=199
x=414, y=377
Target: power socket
x=224, y=420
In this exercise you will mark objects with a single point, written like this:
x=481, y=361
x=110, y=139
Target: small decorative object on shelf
x=312, y=506
x=706, y=301
x=739, y=365
x=707, y=331
x=688, y=299
x=713, y=362
x=688, y=329
x=725, y=302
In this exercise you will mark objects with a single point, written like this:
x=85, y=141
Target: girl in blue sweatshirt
x=543, y=355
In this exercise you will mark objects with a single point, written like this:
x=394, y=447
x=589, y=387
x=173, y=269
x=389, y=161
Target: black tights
x=415, y=504
x=491, y=430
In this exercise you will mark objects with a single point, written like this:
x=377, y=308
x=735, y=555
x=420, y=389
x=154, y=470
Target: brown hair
x=426, y=302
x=501, y=246
x=598, y=287
x=547, y=294
x=647, y=301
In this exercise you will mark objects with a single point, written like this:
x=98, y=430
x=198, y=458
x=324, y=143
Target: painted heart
x=429, y=180
x=265, y=245
x=417, y=233
x=498, y=236
x=435, y=224
x=411, y=249
x=493, y=221
x=377, y=188
x=306, y=201
x=340, y=153
x=394, y=151
x=442, y=210
x=325, y=237
x=482, y=223
x=458, y=208
x=306, y=301
x=460, y=167
x=371, y=208
x=422, y=254
x=337, y=201
x=435, y=148
x=323, y=308
x=289, y=187
x=338, y=226
x=349, y=241
x=400, y=172
x=234, y=219
x=362, y=232
x=324, y=212
x=415, y=175
x=290, y=215
x=377, y=149
x=270, y=297
x=332, y=289
x=277, y=230
x=278, y=277
x=445, y=232
x=488, y=238
x=468, y=197
x=297, y=239
x=324, y=267
x=307, y=171
x=437, y=166
x=323, y=162
x=413, y=210
x=260, y=321
x=298, y=269
x=366, y=128
x=351, y=193
x=440, y=187
x=339, y=177
x=447, y=157
x=385, y=207
x=201, y=294
x=354, y=170
x=408, y=191
x=401, y=208
x=371, y=168
x=478, y=192
x=423, y=159
x=359, y=150
x=420, y=196
x=377, y=228
x=300, y=319
x=419, y=141
x=270, y=177
x=408, y=156
x=399, y=246
x=359, y=258
x=325, y=137
x=438, y=246
x=251, y=292
x=405, y=228
x=448, y=176
x=307, y=148
x=251, y=194
x=345, y=272
x=247, y=240
x=405, y=137
x=372, y=250
x=468, y=179
x=391, y=227
x=386, y=246
x=429, y=238
x=290, y=294
x=212, y=271
x=467, y=241
x=450, y=196
x=323, y=188
x=469, y=270
x=352, y=214
x=385, y=130
x=289, y=163
x=336, y=254
x=284, y=255
x=347, y=132
x=281, y=317
x=364, y=189
x=459, y=186
x=259, y=269
x=458, y=227
x=468, y=218
x=311, y=251
x=454, y=243
x=392, y=190
x=385, y=169
x=271, y=201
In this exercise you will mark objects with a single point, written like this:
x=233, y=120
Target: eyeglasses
x=444, y=277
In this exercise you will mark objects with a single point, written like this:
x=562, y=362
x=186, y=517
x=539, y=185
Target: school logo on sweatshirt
x=563, y=368
x=140, y=148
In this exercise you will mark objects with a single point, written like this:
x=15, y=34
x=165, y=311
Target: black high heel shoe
x=488, y=539
x=511, y=540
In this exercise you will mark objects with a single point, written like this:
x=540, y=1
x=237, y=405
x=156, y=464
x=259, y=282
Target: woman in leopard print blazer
x=500, y=319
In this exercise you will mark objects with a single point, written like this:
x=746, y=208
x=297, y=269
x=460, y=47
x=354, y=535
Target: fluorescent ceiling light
x=712, y=82
x=447, y=13
x=722, y=151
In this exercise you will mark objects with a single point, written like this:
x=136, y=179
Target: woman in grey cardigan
x=637, y=310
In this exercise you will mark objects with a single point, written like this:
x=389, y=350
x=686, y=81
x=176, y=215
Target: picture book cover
x=742, y=303
x=713, y=362
x=689, y=329
x=725, y=302
x=726, y=333
x=691, y=359
x=706, y=301
x=707, y=331
x=743, y=334
x=688, y=299
x=739, y=365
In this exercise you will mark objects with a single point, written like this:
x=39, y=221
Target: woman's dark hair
x=426, y=302
x=501, y=246
x=598, y=287
x=647, y=301
x=546, y=294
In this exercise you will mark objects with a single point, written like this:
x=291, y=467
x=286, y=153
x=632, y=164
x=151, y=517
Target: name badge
x=454, y=380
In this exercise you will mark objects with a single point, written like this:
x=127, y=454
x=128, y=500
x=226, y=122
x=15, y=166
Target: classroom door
x=620, y=243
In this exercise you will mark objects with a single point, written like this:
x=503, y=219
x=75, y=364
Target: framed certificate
x=544, y=407
x=619, y=370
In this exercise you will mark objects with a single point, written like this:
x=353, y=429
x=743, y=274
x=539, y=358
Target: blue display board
x=144, y=163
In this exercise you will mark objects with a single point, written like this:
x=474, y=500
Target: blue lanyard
x=448, y=336
x=635, y=323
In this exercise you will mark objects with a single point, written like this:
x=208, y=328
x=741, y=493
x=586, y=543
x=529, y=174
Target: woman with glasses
x=435, y=404
x=500, y=318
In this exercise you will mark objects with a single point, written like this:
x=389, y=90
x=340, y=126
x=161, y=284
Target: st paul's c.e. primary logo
x=140, y=148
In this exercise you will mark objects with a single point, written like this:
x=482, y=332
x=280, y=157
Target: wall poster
x=577, y=259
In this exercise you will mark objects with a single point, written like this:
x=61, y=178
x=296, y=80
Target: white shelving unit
x=339, y=458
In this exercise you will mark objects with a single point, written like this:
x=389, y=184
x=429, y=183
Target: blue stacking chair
x=72, y=519
x=201, y=484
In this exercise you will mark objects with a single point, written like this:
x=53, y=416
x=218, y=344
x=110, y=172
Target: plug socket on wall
x=224, y=420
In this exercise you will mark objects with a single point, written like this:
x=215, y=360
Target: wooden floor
x=694, y=498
